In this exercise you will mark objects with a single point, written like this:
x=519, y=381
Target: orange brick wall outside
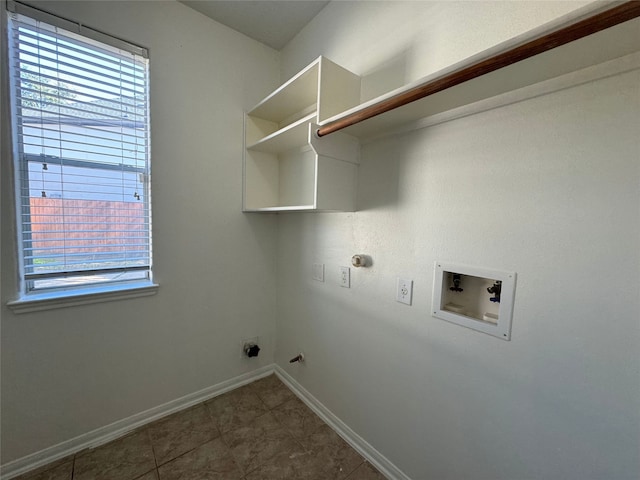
x=105, y=226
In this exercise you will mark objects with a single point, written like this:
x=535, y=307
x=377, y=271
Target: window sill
x=49, y=301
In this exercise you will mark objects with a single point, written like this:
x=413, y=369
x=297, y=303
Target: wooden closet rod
x=582, y=28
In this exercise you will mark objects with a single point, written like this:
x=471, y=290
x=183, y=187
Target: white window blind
x=80, y=116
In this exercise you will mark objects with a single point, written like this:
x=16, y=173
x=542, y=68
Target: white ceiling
x=273, y=22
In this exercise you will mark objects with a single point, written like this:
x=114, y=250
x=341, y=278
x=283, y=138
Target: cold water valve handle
x=456, y=283
x=495, y=291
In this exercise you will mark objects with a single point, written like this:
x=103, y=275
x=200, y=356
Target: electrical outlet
x=404, y=291
x=345, y=277
x=317, y=272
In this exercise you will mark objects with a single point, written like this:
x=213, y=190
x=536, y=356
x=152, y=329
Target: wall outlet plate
x=404, y=291
x=317, y=272
x=345, y=277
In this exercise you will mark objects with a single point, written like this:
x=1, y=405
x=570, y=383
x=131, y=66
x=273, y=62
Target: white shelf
x=295, y=95
x=286, y=168
x=611, y=43
x=283, y=208
x=287, y=138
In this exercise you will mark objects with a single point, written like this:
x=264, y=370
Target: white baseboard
x=370, y=454
x=122, y=427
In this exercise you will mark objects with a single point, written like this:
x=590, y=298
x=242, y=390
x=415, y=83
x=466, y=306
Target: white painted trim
x=72, y=298
x=122, y=427
x=603, y=70
x=375, y=458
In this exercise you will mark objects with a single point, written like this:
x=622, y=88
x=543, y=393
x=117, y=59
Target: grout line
x=208, y=412
x=182, y=454
x=153, y=450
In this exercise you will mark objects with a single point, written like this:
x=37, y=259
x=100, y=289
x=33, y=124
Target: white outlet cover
x=345, y=277
x=404, y=291
x=317, y=272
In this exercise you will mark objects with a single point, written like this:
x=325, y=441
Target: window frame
x=43, y=298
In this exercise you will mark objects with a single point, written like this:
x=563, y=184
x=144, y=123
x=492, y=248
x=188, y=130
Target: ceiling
x=272, y=22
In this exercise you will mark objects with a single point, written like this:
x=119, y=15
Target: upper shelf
x=323, y=86
x=298, y=93
x=610, y=43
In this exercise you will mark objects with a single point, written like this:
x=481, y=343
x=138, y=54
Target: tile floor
x=259, y=431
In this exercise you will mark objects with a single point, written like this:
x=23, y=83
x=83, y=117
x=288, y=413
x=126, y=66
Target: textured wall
x=547, y=187
x=66, y=372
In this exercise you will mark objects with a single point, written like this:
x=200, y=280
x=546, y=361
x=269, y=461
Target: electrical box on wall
x=476, y=298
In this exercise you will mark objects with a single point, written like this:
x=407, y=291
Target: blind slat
x=87, y=271
x=38, y=80
x=86, y=240
x=27, y=33
x=78, y=76
x=79, y=107
x=78, y=214
x=130, y=146
x=69, y=150
x=34, y=43
x=41, y=80
x=53, y=255
x=70, y=82
x=55, y=249
x=53, y=267
x=68, y=117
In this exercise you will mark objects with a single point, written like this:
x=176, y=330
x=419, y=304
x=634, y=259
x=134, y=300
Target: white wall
x=66, y=372
x=391, y=43
x=549, y=188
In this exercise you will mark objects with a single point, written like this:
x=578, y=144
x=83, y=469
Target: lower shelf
x=283, y=208
x=298, y=181
x=317, y=175
x=281, y=181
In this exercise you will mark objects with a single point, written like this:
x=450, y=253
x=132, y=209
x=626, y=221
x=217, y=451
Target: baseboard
x=122, y=427
x=375, y=458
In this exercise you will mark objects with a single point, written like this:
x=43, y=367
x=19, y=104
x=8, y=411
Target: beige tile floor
x=259, y=431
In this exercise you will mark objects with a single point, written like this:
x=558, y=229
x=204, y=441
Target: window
x=80, y=118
